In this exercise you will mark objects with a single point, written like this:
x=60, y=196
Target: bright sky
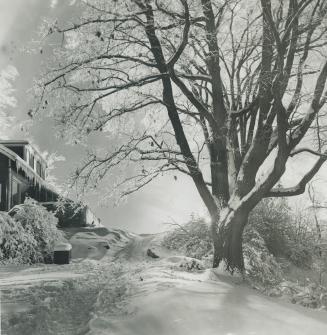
x=143, y=212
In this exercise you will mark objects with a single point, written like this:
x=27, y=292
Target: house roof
x=14, y=142
x=23, y=165
x=23, y=143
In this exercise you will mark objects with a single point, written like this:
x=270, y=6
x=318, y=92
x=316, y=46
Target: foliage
x=270, y=218
x=312, y=295
x=192, y=239
x=302, y=238
x=308, y=294
x=261, y=266
x=16, y=244
x=41, y=224
x=29, y=236
x=274, y=229
x=286, y=233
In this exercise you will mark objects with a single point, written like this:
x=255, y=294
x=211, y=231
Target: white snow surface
x=168, y=301
x=158, y=297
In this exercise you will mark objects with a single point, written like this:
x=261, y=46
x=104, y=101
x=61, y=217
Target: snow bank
x=94, y=243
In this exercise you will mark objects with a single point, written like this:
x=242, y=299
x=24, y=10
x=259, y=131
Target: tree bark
x=228, y=239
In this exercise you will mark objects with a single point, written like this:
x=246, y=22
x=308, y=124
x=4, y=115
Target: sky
x=164, y=200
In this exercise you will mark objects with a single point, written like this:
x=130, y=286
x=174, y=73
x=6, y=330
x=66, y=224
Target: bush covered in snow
x=261, y=266
x=17, y=246
x=29, y=236
x=285, y=233
x=274, y=231
x=193, y=239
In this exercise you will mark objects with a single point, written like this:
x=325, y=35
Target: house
x=22, y=174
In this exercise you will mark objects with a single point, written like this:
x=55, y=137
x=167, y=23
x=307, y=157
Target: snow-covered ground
x=28, y=290
x=123, y=291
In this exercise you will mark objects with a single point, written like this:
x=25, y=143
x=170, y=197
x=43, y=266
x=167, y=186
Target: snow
x=140, y=295
x=170, y=301
x=23, y=279
x=193, y=307
x=89, y=245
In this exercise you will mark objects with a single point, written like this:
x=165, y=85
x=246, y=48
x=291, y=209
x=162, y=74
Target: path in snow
x=135, y=250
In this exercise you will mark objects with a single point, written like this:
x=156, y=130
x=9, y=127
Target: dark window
x=42, y=173
x=16, y=196
x=19, y=150
x=3, y=202
x=31, y=161
x=38, y=168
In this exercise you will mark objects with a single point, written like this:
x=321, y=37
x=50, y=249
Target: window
x=3, y=202
x=31, y=161
x=16, y=193
x=38, y=168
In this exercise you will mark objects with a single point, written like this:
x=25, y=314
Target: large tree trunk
x=227, y=235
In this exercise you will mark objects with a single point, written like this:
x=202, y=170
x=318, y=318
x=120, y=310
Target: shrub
x=192, y=239
x=28, y=237
x=302, y=240
x=274, y=231
x=285, y=233
x=261, y=266
x=271, y=218
x=41, y=224
x=16, y=245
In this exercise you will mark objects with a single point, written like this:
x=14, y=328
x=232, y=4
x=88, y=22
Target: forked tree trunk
x=227, y=240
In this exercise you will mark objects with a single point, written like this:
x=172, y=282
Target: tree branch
x=300, y=187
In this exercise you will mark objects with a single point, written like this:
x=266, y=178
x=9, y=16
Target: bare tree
x=228, y=90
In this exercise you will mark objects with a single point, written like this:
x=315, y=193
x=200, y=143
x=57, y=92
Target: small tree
x=223, y=92
x=41, y=226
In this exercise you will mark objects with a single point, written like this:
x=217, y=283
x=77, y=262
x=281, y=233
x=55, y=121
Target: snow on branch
x=300, y=187
x=313, y=152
